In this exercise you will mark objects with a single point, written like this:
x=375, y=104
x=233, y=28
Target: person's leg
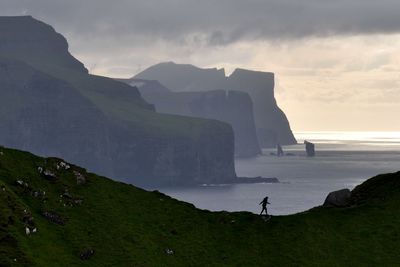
x=262, y=210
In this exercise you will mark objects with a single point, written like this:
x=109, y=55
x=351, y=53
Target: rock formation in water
x=51, y=106
x=271, y=123
x=279, y=151
x=310, y=149
x=232, y=107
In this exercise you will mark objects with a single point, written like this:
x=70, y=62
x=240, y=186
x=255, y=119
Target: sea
x=343, y=160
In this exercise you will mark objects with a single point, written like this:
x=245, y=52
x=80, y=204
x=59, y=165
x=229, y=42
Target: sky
x=337, y=63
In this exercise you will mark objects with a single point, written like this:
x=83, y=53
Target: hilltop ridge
x=28, y=39
x=87, y=220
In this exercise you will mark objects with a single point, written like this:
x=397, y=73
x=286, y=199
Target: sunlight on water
x=352, y=141
x=392, y=137
x=344, y=160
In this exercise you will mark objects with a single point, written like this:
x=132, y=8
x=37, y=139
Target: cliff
x=27, y=38
x=64, y=216
x=233, y=107
x=185, y=77
x=51, y=106
x=271, y=123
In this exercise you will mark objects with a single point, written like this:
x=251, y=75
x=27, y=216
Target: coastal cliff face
x=233, y=107
x=51, y=106
x=47, y=116
x=271, y=123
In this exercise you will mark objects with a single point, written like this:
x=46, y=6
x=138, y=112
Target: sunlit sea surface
x=344, y=160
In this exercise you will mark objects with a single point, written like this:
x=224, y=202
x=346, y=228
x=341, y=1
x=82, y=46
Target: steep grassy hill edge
x=86, y=220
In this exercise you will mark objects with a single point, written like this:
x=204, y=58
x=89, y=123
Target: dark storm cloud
x=212, y=21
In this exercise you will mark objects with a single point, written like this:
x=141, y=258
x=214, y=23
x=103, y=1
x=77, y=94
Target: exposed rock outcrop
x=54, y=217
x=51, y=106
x=232, y=107
x=310, y=149
x=340, y=198
x=272, y=124
x=86, y=254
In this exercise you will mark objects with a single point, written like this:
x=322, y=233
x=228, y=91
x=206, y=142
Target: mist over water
x=344, y=160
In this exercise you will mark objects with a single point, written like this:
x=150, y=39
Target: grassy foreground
x=127, y=226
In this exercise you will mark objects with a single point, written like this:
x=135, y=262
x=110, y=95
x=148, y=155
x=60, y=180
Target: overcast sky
x=337, y=63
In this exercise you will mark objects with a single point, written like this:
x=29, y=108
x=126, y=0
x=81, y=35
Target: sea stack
x=279, y=149
x=310, y=149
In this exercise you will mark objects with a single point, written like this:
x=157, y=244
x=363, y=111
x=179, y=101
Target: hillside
x=51, y=106
x=87, y=220
x=271, y=122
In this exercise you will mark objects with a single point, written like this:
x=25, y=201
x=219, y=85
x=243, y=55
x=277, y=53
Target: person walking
x=264, y=204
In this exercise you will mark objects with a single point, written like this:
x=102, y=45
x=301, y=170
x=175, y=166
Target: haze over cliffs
x=271, y=123
x=233, y=107
x=51, y=106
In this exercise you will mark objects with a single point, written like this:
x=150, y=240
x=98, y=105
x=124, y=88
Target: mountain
x=185, y=77
x=32, y=40
x=233, y=107
x=51, y=106
x=75, y=218
x=272, y=124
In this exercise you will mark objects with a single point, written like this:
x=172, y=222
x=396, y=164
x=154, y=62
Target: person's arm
x=260, y=203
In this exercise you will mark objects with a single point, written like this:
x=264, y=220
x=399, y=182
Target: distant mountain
x=53, y=213
x=271, y=123
x=185, y=77
x=233, y=107
x=51, y=106
x=34, y=41
x=146, y=86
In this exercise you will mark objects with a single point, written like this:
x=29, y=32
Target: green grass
x=127, y=226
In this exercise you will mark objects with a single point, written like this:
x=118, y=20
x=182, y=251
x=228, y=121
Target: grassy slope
x=120, y=102
x=127, y=226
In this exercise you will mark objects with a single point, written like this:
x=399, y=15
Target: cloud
x=214, y=22
x=340, y=57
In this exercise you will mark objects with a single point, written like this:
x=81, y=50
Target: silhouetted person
x=310, y=149
x=279, y=151
x=264, y=204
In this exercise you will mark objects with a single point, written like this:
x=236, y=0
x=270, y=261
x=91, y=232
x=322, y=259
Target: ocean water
x=344, y=160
